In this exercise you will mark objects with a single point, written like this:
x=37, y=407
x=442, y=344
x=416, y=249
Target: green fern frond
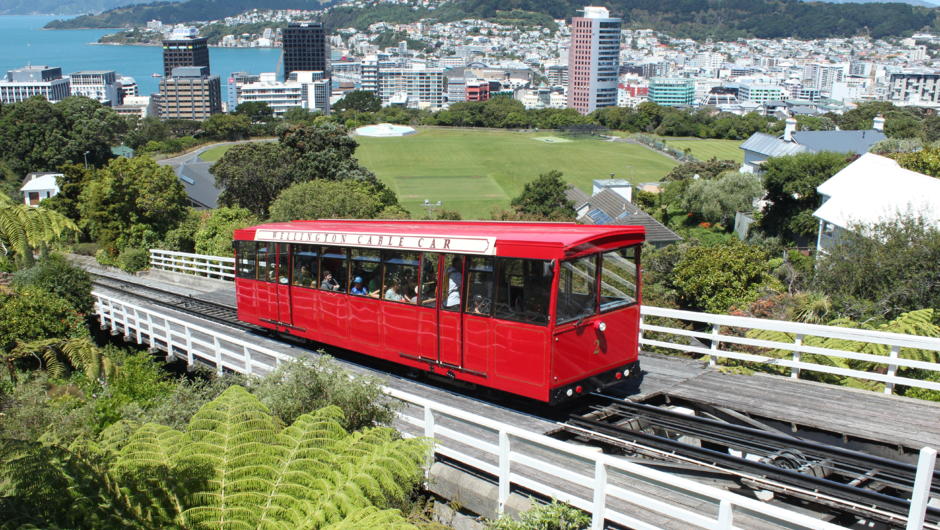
x=372, y=517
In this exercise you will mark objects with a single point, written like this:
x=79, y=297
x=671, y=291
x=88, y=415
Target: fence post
x=600, y=495
x=503, y=496
x=190, y=360
x=892, y=369
x=921, y=493
x=428, y=433
x=725, y=514
x=795, y=371
x=713, y=359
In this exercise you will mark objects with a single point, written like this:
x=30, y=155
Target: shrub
x=133, y=259
x=554, y=516
x=85, y=249
x=56, y=275
x=32, y=314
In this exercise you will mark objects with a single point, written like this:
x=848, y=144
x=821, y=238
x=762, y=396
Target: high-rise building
x=557, y=75
x=305, y=48
x=593, y=60
x=234, y=86
x=414, y=87
x=759, y=92
x=29, y=81
x=307, y=90
x=190, y=93
x=100, y=85
x=184, y=48
x=821, y=76
x=918, y=87
x=672, y=91
x=128, y=86
x=478, y=90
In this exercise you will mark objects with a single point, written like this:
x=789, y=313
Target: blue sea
x=23, y=41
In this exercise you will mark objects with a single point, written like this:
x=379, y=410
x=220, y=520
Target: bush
x=31, y=314
x=554, y=516
x=133, y=259
x=85, y=249
x=305, y=385
x=107, y=256
x=56, y=275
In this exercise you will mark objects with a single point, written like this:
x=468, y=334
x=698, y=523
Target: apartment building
x=190, y=93
x=593, y=60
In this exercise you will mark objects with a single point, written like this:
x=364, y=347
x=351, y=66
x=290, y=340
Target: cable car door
x=283, y=285
x=450, y=317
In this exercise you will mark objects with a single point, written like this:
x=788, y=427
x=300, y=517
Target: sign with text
x=428, y=242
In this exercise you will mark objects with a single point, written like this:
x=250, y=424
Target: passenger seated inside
x=393, y=292
x=328, y=283
x=481, y=305
x=454, y=279
x=304, y=278
x=357, y=288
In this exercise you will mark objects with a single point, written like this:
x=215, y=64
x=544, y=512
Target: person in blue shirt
x=358, y=288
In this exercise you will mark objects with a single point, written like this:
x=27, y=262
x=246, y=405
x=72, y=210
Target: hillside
x=61, y=7
x=698, y=19
x=921, y=3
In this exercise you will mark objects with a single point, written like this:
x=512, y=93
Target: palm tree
x=24, y=230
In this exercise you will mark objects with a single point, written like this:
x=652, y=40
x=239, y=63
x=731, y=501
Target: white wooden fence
x=505, y=449
x=219, y=267
x=725, y=333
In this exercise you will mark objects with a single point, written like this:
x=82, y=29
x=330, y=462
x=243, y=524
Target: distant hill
x=61, y=7
x=920, y=3
x=698, y=19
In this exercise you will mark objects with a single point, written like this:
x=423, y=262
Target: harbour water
x=23, y=41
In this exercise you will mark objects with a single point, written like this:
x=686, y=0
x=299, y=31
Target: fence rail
x=219, y=267
x=507, y=450
x=716, y=343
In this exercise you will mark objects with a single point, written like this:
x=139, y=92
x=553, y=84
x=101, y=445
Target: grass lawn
x=474, y=171
x=212, y=155
x=705, y=149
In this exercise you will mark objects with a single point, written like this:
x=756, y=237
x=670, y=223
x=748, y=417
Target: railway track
x=841, y=482
x=837, y=480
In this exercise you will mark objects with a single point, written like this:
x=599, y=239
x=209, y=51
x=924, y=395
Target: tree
x=90, y=128
x=131, y=201
x=71, y=183
x=234, y=466
x=883, y=270
x=227, y=126
x=256, y=111
x=544, y=198
x=324, y=199
x=359, y=101
x=252, y=175
x=24, y=229
x=56, y=275
x=719, y=199
x=716, y=278
x=926, y=161
x=708, y=169
x=791, y=183
x=216, y=231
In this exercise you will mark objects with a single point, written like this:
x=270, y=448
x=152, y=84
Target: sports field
x=706, y=149
x=473, y=171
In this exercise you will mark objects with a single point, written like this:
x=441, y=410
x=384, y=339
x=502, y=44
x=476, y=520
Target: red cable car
x=543, y=310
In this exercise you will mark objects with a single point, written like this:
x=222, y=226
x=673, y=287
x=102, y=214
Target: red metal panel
x=520, y=357
x=364, y=320
x=449, y=341
x=426, y=333
x=284, y=304
x=400, y=327
x=581, y=351
x=477, y=343
x=333, y=317
x=304, y=308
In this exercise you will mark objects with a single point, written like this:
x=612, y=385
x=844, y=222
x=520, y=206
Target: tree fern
x=81, y=353
x=23, y=229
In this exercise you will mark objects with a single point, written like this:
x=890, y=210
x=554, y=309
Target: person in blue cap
x=358, y=288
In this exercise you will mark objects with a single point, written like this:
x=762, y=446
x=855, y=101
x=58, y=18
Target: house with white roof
x=871, y=190
x=38, y=186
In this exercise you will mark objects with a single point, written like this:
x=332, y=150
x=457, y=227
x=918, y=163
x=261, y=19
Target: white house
x=871, y=190
x=38, y=186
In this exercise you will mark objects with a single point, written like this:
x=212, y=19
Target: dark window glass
x=283, y=260
x=366, y=267
x=333, y=269
x=523, y=288
x=246, y=259
x=618, y=278
x=305, y=265
x=428, y=280
x=452, y=282
x=577, y=297
x=479, y=286
x=267, y=262
x=401, y=276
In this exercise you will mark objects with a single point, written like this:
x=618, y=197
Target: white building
x=100, y=85
x=821, y=76
x=308, y=90
x=422, y=87
x=760, y=92
x=138, y=107
x=128, y=86
x=871, y=190
x=24, y=83
x=39, y=186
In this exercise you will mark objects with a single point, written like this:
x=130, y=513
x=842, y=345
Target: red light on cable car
x=578, y=389
x=618, y=375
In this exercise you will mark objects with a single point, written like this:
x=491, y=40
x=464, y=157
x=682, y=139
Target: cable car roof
x=493, y=238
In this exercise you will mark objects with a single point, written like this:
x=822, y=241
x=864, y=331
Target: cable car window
x=479, y=286
x=401, y=276
x=576, y=289
x=283, y=260
x=618, y=278
x=267, y=262
x=428, y=289
x=453, y=282
x=333, y=269
x=305, y=265
x=523, y=288
x=246, y=258
x=366, y=272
